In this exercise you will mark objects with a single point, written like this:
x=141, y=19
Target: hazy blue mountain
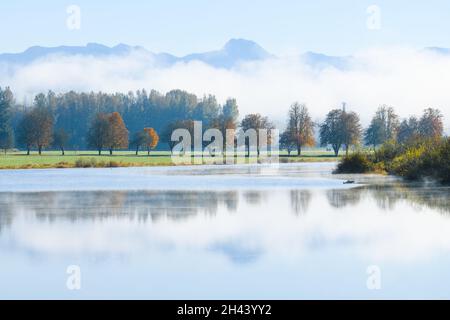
x=445, y=51
x=321, y=61
x=91, y=49
x=234, y=52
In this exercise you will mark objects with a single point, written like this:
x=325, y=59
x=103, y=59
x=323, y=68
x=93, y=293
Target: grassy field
x=80, y=159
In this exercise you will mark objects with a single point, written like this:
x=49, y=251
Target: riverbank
x=89, y=159
x=416, y=160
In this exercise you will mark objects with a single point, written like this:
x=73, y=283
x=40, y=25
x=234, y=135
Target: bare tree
x=430, y=124
x=300, y=126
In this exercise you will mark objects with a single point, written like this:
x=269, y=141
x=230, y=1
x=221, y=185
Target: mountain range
x=232, y=54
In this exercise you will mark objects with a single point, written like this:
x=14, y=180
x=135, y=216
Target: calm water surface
x=251, y=232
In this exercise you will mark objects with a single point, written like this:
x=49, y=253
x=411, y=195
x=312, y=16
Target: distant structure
x=344, y=106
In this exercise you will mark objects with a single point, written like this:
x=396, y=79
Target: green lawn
x=54, y=159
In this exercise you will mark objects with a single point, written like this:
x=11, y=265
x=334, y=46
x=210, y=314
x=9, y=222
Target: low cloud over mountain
x=408, y=79
x=234, y=53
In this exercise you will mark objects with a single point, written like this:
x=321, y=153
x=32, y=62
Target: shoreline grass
x=90, y=159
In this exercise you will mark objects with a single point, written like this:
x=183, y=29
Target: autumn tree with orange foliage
x=118, y=133
x=153, y=139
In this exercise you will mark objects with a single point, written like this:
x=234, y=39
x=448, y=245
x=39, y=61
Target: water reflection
x=226, y=241
x=254, y=197
x=140, y=205
x=300, y=200
x=180, y=205
x=387, y=196
x=338, y=199
x=237, y=253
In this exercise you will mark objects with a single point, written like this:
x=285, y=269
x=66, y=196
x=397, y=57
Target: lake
x=292, y=231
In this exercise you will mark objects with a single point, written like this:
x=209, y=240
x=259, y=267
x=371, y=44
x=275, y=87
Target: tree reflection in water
x=388, y=195
x=253, y=197
x=180, y=205
x=300, y=200
x=140, y=205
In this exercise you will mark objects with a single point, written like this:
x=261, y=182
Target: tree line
x=142, y=120
x=342, y=128
x=97, y=120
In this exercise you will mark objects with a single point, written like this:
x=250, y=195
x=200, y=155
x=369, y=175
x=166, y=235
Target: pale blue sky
x=180, y=26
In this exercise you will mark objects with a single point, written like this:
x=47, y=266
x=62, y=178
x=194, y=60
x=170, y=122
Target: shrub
x=425, y=159
x=442, y=162
x=409, y=164
x=419, y=159
x=62, y=165
x=83, y=163
x=113, y=164
x=355, y=163
x=387, y=153
x=101, y=164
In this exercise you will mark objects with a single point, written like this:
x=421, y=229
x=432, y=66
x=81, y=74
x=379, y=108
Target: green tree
x=43, y=126
x=287, y=142
x=340, y=128
x=207, y=110
x=180, y=124
x=139, y=140
x=374, y=136
x=408, y=130
x=98, y=134
x=36, y=127
x=258, y=123
x=26, y=129
x=227, y=121
x=60, y=138
x=230, y=111
x=6, y=139
x=331, y=130
x=6, y=131
x=383, y=127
